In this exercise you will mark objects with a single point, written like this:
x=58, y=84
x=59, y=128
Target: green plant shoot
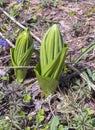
x=52, y=57
x=21, y=54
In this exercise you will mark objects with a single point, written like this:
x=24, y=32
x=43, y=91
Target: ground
x=25, y=106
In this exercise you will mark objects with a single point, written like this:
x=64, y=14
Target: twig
x=30, y=81
x=81, y=75
x=49, y=98
x=35, y=85
x=9, y=42
x=4, y=57
x=16, y=67
x=51, y=108
x=20, y=25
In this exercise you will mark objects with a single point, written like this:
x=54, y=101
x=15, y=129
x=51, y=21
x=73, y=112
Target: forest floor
x=72, y=106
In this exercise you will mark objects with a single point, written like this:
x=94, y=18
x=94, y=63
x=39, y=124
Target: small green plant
x=71, y=13
x=91, y=11
x=11, y=103
x=27, y=97
x=48, y=2
x=45, y=2
x=53, y=124
x=52, y=57
x=21, y=54
x=39, y=118
x=27, y=128
x=1, y=2
x=10, y=121
x=14, y=10
x=54, y=3
x=84, y=121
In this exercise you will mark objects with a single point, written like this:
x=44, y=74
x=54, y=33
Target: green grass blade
x=91, y=47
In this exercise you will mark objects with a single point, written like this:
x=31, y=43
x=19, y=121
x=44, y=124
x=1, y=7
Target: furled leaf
x=21, y=54
x=54, y=68
x=52, y=57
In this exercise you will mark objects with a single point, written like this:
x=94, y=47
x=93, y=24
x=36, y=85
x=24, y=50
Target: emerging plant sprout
x=52, y=57
x=21, y=54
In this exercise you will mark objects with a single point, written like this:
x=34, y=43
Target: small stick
x=20, y=25
x=16, y=67
x=51, y=108
x=4, y=57
x=10, y=43
x=49, y=98
x=30, y=81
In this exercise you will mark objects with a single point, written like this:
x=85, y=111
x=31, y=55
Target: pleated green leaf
x=51, y=45
x=52, y=57
x=48, y=85
x=21, y=54
x=54, y=68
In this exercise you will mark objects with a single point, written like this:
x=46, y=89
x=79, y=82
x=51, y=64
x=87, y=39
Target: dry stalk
x=16, y=67
x=19, y=24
